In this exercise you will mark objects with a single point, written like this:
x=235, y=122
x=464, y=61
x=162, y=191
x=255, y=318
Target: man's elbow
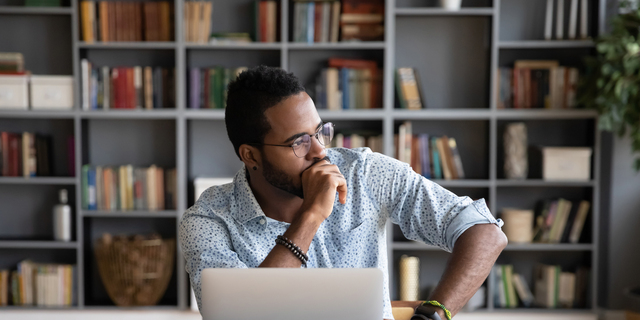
x=498, y=238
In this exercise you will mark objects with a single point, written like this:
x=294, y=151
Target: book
x=457, y=160
x=584, y=11
x=578, y=223
x=408, y=89
x=435, y=159
x=566, y=289
x=548, y=23
x=573, y=20
x=559, y=19
x=507, y=279
x=522, y=288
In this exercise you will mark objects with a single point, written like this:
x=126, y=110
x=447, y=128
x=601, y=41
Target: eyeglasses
x=302, y=144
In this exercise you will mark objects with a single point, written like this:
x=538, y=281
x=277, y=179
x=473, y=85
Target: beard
x=281, y=180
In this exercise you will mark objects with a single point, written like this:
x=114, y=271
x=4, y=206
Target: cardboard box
x=566, y=163
x=51, y=92
x=14, y=92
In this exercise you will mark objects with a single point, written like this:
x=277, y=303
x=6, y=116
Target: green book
x=401, y=99
x=505, y=283
x=437, y=170
x=219, y=87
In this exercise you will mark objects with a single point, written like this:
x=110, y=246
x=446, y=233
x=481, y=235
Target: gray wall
x=623, y=225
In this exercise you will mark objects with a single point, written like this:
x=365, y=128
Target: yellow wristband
x=441, y=306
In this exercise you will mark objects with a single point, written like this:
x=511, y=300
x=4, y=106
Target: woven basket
x=135, y=270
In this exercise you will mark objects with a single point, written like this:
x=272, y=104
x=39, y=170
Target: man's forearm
x=301, y=232
x=474, y=253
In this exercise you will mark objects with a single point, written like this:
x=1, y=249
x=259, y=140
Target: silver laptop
x=291, y=294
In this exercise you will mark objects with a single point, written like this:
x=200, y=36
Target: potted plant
x=611, y=84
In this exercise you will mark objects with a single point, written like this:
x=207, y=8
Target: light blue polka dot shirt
x=226, y=227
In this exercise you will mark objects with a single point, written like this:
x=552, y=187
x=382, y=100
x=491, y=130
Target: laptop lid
x=289, y=293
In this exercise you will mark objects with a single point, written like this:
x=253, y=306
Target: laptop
x=291, y=294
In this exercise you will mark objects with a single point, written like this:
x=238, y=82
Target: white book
x=137, y=84
x=326, y=20
x=560, y=20
x=573, y=20
x=548, y=20
x=106, y=93
x=402, y=135
x=583, y=19
x=86, y=76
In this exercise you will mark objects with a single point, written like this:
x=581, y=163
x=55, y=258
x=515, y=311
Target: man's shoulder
x=360, y=158
x=214, y=201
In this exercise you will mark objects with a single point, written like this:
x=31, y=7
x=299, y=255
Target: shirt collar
x=244, y=197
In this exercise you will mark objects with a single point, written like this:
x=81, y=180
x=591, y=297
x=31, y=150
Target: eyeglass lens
x=302, y=145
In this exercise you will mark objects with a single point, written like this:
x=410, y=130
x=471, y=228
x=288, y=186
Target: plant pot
x=450, y=4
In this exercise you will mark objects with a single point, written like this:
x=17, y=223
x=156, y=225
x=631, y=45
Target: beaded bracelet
x=441, y=306
x=294, y=249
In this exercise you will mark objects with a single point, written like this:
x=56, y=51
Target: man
x=288, y=187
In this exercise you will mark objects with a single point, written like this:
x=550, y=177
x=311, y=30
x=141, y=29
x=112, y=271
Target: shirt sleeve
x=424, y=210
x=205, y=243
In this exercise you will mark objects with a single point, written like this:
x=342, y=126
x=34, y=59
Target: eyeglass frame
x=316, y=135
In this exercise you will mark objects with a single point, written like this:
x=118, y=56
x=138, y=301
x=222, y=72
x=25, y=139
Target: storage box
x=13, y=92
x=51, y=92
x=566, y=163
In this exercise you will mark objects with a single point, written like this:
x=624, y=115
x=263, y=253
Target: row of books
x=560, y=221
x=197, y=21
x=128, y=188
x=208, y=86
x=349, y=84
x=553, y=287
x=328, y=21
x=537, y=84
x=358, y=140
x=126, y=21
x=431, y=156
x=11, y=63
x=572, y=27
x=27, y=154
x=38, y=284
x=127, y=87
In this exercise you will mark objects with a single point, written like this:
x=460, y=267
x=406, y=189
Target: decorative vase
x=450, y=4
x=515, y=151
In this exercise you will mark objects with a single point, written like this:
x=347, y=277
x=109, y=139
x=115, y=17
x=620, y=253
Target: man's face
x=291, y=118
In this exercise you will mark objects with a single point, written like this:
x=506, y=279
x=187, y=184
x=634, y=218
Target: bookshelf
x=457, y=55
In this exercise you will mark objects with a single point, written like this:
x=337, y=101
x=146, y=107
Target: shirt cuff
x=476, y=213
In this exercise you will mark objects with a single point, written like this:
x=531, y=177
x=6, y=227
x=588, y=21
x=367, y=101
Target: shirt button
x=262, y=221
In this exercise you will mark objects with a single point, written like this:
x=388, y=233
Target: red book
x=263, y=21
x=15, y=144
x=317, y=22
x=131, y=90
x=4, y=140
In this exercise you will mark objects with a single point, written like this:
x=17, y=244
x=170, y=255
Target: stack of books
x=331, y=21
x=537, y=84
x=127, y=87
x=431, y=156
x=358, y=140
x=38, y=284
x=560, y=221
x=349, y=84
x=27, y=154
x=208, y=86
x=126, y=21
x=127, y=188
x=197, y=21
x=11, y=63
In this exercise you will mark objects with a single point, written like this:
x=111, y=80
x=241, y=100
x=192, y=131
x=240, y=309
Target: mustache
x=314, y=163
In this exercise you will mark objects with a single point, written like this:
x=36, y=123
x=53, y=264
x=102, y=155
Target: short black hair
x=253, y=92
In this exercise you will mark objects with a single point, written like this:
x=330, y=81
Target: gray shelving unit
x=456, y=54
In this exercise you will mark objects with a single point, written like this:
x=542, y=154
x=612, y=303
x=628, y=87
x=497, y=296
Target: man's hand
x=320, y=182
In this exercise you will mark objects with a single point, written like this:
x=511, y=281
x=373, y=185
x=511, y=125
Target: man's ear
x=250, y=155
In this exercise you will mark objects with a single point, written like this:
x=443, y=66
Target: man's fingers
x=342, y=190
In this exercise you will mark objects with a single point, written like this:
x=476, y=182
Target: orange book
x=111, y=25
x=118, y=22
x=317, y=22
x=163, y=18
x=87, y=21
x=104, y=21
